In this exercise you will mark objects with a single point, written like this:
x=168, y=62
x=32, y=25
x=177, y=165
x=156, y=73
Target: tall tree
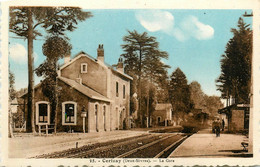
x=208, y=104
x=179, y=93
x=141, y=50
x=213, y=104
x=27, y=21
x=12, y=94
x=155, y=74
x=235, y=78
x=197, y=95
x=54, y=48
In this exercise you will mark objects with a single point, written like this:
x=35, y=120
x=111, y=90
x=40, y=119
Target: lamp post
x=84, y=115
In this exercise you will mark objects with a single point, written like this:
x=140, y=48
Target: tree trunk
x=57, y=101
x=10, y=122
x=31, y=113
x=139, y=82
x=147, y=108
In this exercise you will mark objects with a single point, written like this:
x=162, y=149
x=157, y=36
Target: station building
x=91, y=93
x=237, y=116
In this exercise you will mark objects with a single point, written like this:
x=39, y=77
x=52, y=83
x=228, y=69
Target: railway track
x=153, y=150
x=111, y=151
x=68, y=152
x=155, y=145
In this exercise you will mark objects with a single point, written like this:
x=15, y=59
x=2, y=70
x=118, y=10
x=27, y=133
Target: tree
x=208, y=104
x=235, y=78
x=197, y=95
x=12, y=92
x=142, y=51
x=54, y=48
x=179, y=93
x=12, y=95
x=155, y=74
x=25, y=22
x=213, y=104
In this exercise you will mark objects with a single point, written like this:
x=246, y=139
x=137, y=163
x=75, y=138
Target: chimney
x=100, y=53
x=67, y=59
x=120, y=65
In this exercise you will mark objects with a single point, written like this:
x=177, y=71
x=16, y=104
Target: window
x=158, y=120
x=84, y=68
x=42, y=112
x=116, y=89
x=104, y=116
x=69, y=113
x=96, y=116
x=117, y=118
x=123, y=91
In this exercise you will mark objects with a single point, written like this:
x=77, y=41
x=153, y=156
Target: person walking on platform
x=223, y=124
x=218, y=126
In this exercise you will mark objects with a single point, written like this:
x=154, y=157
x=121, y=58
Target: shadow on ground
x=233, y=151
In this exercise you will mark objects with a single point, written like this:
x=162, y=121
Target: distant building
x=237, y=117
x=162, y=115
x=88, y=88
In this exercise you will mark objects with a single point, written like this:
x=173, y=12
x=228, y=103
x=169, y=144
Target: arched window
x=69, y=113
x=42, y=112
x=117, y=118
x=104, y=116
x=117, y=91
x=158, y=120
x=96, y=116
x=123, y=91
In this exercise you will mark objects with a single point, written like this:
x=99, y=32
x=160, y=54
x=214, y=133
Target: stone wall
x=237, y=120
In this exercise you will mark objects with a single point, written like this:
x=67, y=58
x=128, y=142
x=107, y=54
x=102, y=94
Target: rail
x=175, y=144
x=143, y=147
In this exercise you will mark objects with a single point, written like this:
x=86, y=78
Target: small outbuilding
x=237, y=117
x=162, y=114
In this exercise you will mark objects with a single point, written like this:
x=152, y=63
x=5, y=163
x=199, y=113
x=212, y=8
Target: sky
x=193, y=39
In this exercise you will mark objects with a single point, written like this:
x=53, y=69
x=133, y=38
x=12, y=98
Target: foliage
x=213, y=103
x=235, y=78
x=139, y=48
x=179, y=93
x=12, y=92
x=24, y=22
x=207, y=104
x=55, y=20
x=197, y=95
x=142, y=59
x=55, y=47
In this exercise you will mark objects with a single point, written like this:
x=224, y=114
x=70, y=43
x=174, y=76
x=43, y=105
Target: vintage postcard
x=130, y=83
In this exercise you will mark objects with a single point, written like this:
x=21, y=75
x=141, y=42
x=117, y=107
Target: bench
x=45, y=128
x=245, y=145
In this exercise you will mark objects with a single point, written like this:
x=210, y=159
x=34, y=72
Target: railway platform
x=27, y=145
x=205, y=144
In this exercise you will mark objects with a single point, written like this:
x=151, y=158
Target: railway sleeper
x=143, y=147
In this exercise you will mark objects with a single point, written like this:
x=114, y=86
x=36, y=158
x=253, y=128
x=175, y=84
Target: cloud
x=156, y=20
x=18, y=53
x=189, y=27
x=192, y=27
